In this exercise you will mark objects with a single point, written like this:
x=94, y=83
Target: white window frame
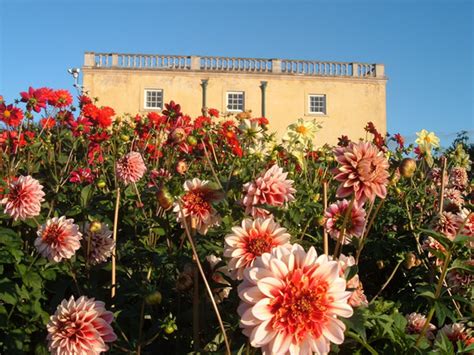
x=145, y=101
x=243, y=101
x=325, y=107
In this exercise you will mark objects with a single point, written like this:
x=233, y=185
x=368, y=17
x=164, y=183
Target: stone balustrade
x=229, y=64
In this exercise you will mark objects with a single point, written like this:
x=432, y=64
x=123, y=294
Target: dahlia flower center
x=196, y=202
x=366, y=169
x=302, y=130
x=52, y=234
x=259, y=243
x=18, y=195
x=6, y=114
x=301, y=306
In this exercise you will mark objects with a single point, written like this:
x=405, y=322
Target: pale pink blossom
x=99, y=243
x=80, y=327
x=354, y=285
x=271, y=188
x=430, y=244
x=58, y=239
x=416, y=322
x=453, y=197
x=196, y=208
x=24, y=198
x=291, y=301
x=458, y=178
x=458, y=332
x=362, y=171
x=448, y=224
x=130, y=168
x=223, y=289
x=334, y=218
x=251, y=240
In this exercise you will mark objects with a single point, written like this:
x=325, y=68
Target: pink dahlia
x=354, y=285
x=196, y=205
x=290, y=301
x=430, y=244
x=334, y=217
x=58, y=239
x=453, y=199
x=458, y=178
x=130, y=168
x=80, y=327
x=435, y=176
x=270, y=188
x=248, y=242
x=448, y=224
x=416, y=322
x=363, y=171
x=24, y=198
x=101, y=243
x=458, y=332
x=223, y=287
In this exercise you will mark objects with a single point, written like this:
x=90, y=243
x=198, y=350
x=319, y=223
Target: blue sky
x=427, y=46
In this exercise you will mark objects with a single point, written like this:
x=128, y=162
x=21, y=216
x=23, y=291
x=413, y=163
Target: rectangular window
x=317, y=104
x=235, y=101
x=154, y=99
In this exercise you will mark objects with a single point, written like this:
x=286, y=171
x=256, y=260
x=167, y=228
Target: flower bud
x=101, y=184
x=380, y=264
x=165, y=200
x=95, y=227
x=178, y=135
x=124, y=138
x=407, y=167
x=192, y=141
x=153, y=298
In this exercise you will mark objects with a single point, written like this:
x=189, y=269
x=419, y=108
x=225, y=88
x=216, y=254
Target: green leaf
x=85, y=193
x=7, y=291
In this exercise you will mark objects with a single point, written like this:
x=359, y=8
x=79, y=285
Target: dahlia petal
x=261, y=310
x=269, y=286
x=334, y=330
x=261, y=334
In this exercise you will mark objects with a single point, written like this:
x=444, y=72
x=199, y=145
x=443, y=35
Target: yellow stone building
x=342, y=97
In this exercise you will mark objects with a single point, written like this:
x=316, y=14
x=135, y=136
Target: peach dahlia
x=291, y=301
x=249, y=241
x=362, y=171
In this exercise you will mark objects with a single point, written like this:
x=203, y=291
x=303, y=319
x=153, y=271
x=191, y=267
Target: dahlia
x=357, y=298
x=223, y=289
x=24, y=199
x=334, y=217
x=196, y=205
x=302, y=132
x=248, y=242
x=80, y=327
x=290, y=301
x=460, y=280
x=271, y=188
x=251, y=130
x=458, y=178
x=101, y=243
x=435, y=176
x=130, y=168
x=453, y=198
x=426, y=140
x=363, y=170
x=430, y=244
x=60, y=98
x=448, y=224
x=11, y=115
x=415, y=324
x=458, y=332
x=58, y=239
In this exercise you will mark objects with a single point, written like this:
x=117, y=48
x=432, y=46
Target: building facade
x=342, y=97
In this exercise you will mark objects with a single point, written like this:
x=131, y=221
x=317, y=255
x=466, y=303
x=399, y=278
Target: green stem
x=362, y=342
x=338, y=248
